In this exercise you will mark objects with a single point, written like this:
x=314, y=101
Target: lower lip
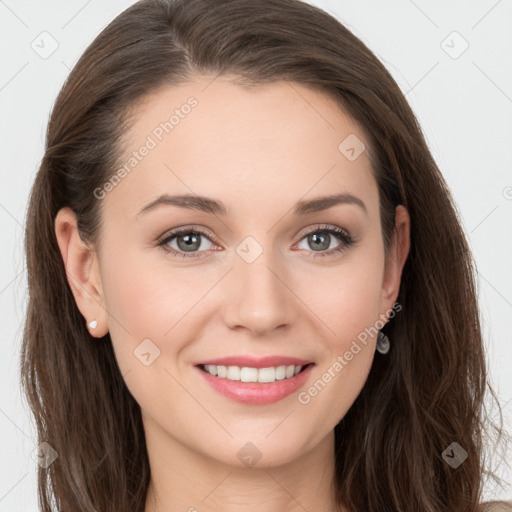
x=256, y=393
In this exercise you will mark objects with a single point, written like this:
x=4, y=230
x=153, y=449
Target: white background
x=464, y=105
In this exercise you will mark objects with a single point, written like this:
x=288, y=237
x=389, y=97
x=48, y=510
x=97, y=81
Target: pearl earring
x=383, y=344
x=92, y=325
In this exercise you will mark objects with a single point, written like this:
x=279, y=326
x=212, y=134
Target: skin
x=259, y=152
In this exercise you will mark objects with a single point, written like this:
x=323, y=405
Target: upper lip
x=255, y=362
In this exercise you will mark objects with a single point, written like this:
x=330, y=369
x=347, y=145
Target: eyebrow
x=209, y=205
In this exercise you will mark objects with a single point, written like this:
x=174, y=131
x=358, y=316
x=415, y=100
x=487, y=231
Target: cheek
x=146, y=314
x=348, y=299
x=153, y=311
x=350, y=309
x=147, y=300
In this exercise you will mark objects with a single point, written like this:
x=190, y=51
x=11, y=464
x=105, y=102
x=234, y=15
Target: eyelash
x=340, y=233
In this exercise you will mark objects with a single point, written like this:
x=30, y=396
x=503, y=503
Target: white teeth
x=211, y=368
x=248, y=374
x=267, y=374
x=233, y=373
x=289, y=372
x=280, y=372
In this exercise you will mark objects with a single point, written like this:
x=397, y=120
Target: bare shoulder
x=496, y=506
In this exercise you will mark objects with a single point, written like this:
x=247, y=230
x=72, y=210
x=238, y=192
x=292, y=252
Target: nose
x=259, y=298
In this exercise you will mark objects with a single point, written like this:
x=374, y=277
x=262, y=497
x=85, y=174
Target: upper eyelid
x=311, y=229
x=178, y=231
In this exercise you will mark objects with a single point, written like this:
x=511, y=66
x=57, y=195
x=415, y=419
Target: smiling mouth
x=250, y=374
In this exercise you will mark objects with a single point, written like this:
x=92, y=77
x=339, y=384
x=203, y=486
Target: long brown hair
x=425, y=394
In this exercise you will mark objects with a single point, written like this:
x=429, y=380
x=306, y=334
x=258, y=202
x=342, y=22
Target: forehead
x=213, y=137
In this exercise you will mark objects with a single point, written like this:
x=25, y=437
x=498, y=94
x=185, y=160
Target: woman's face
x=253, y=281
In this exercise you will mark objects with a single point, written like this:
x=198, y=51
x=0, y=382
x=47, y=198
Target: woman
x=187, y=344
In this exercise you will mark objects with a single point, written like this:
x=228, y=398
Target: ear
x=82, y=271
x=395, y=260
